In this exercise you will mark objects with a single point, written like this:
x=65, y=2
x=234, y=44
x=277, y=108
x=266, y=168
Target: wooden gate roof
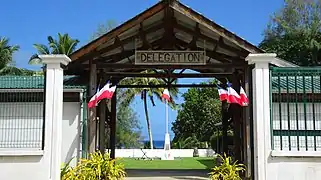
x=167, y=25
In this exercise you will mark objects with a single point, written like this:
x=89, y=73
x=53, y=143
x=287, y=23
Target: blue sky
x=29, y=22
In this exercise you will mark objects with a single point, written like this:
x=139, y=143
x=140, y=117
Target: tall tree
x=103, y=29
x=128, y=130
x=7, y=64
x=294, y=32
x=198, y=114
x=146, y=93
x=63, y=45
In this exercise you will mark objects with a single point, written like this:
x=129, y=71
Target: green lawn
x=183, y=163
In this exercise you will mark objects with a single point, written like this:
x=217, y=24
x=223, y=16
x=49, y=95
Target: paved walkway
x=167, y=174
x=167, y=178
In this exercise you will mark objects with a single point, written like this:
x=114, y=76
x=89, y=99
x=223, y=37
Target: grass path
x=183, y=163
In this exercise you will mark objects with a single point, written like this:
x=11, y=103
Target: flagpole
x=166, y=114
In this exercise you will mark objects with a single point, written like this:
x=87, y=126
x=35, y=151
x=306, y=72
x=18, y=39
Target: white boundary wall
x=138, y=153
x=275, y=164
x=43, y=164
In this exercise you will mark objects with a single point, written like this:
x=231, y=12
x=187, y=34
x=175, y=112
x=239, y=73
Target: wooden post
x=102, y=117
x=102, y=132
x=236, y=118
x=113, y=126
x=92, y=112
x=225, y=118
x=225, y=123
x=245, y=124
x=249, y=125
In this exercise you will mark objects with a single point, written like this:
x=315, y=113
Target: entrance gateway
x=168, y=36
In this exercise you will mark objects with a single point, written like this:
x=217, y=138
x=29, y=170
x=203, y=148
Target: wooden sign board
x=170, y=57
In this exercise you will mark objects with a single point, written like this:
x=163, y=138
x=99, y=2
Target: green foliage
x=147, y=145
x=198, y=114
x=128, y=133
x=65, y=169
x=294, y=33
x=97, y=167
x=6, y=52
x=146, y=93
x=103, y=29
x=188, y=143
x=7, y=64
x=63, y=45
x=227, y=170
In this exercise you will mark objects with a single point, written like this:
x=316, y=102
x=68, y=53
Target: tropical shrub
x=227, y=170
x=188, y=143
x=97, y=167
x=65, y=169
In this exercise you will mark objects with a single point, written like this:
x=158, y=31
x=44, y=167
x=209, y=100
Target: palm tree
x=130, y=93
x=6, y=59
x=64, y=45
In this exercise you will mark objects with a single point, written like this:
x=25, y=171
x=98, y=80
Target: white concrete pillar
x=261, y=112
x=53, y=112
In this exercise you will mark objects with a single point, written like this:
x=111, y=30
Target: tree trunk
x=148, y=122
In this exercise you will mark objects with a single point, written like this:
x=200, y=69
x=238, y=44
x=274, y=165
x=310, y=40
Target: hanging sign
x=170, y=58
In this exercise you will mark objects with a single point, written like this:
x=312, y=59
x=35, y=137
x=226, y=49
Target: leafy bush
x=188, y=143
x=65, y=169
x=227, y=170
x=97, y=167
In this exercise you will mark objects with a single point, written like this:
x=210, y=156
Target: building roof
x=167, y=25
x=279, y=83
x=37, y=82
x=296, y=84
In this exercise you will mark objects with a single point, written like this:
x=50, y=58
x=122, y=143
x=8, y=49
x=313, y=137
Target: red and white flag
x=106, y=92
x=102, y=93
x=93, y=100
x=233, y=96
x=244, y=98
x=222, y=93
x=166, y=95
x=111, y=92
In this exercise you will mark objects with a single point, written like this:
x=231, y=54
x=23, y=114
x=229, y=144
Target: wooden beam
x=215, y=55
x=215, y=47
x=142, y=35
x=166, y=86
x=169, y=36
x=165, y=75
x=164, y=79
x=202, y=36
x=120, y=29
x=119, y=43
x=116, y=66
x=122, y=55
x=197, y=33
x=199, y=18
x=95, y=53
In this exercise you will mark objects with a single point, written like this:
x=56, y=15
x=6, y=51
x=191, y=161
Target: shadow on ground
x=177, y=174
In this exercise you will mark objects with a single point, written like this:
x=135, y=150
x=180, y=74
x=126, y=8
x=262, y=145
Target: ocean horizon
x=158, y=144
